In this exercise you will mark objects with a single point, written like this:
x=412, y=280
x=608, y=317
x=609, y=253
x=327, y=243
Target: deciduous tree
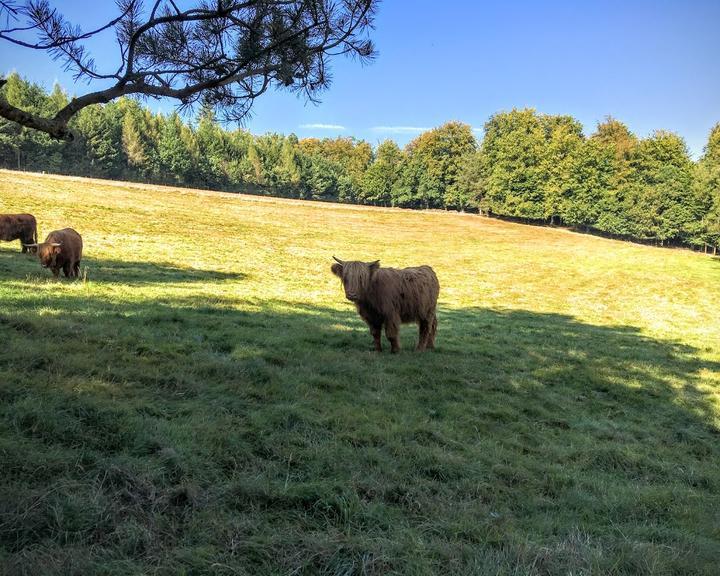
x=382, y=174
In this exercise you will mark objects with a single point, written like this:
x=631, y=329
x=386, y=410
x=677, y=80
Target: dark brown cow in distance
x=391, y=296
x=21, y=227
x=61, y=249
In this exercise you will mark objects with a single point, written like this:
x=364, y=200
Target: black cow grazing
x=21, y=227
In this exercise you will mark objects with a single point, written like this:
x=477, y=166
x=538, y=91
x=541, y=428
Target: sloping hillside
x=204, y=400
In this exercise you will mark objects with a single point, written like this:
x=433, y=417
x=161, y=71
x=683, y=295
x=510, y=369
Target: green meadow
x=203, y=400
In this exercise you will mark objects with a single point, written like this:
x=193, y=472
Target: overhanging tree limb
x=221, y=52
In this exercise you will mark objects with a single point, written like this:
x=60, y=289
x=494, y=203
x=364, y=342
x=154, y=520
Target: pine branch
x=223, y=53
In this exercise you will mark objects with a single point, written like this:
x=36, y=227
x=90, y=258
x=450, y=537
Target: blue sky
x=651, y=64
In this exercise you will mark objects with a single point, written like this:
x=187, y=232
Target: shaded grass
x=224, y=414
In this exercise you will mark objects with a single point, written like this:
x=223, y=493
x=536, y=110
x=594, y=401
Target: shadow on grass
x=207, y=439
x=15, y=265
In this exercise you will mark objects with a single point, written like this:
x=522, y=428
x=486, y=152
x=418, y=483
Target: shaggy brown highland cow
x=21, y=227
x=391, y=296
x=61, y=249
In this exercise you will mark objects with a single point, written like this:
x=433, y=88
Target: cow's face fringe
x=356, y=277
x=47, y=254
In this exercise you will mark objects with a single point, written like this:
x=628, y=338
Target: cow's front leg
x=56, y=272
x=392, y=329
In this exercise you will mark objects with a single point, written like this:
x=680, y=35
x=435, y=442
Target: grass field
x=204, y=400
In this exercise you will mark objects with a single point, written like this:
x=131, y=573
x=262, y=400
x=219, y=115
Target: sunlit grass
x=206, y=401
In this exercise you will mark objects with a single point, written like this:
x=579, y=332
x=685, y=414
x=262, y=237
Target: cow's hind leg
x=28, y=239
x=76, y=269
x=376, y=332
x=423, y=334
x=431, y=332
x=67, y=269
x=392, y=330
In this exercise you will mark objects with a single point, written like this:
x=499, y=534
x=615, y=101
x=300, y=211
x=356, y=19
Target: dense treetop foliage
x=529, y=166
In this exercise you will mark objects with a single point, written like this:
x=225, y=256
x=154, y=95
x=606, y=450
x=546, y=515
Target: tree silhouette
x=220, y=53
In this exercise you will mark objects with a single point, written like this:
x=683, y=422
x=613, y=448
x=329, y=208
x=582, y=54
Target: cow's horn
x=56, y=244
x=339, y=261
x=29, y=245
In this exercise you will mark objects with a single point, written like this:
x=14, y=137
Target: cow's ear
x=374, y=265
x=337, y=269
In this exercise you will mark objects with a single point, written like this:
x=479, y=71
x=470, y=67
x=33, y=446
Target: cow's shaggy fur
x=21, y=227
x=391, y=296
x=61, y=249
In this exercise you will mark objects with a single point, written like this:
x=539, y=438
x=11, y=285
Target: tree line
x=528, y=166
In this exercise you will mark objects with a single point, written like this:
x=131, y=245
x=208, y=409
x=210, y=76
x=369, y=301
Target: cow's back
x=421, y=289
x=411, y=293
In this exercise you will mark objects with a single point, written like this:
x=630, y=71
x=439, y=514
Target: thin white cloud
x=478, y=130
x=400, y=129
x=319, y=126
